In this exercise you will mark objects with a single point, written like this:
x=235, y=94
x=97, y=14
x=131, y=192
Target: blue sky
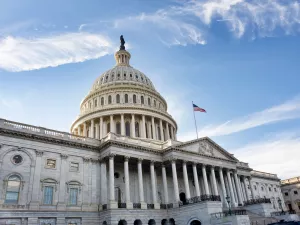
x=237, y=59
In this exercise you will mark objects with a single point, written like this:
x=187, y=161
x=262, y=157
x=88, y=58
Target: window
x=255, y=187
x=73, y=195
x=13, y=189
x=90, y=105
x=142, y=100
x=74, y=167
x=154, y=103
x=118, y=98
x=118, y=128
x=137, y=129
x=126, y=98
x=262, y=188
x=102, y=101
x=270, y=189
x=17, y=159
x=51, y=163
x=109, y=99
x=295, y=192
x=134, y=98
x=127, y=128
x=48, y=195
x=149, y=101
x=275, y=190
x=286, y=194
x=95, y=103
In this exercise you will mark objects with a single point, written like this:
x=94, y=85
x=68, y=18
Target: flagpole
x=195, y=119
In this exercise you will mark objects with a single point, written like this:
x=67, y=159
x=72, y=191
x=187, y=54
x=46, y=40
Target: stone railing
x=202, y=198
x=11, y=125
x=257, y=201
x=282, y=213
x=235, y=212
x=243, y=164
x=264, y=175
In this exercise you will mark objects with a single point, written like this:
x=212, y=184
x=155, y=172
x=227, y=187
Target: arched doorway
x=164, y=222
x=137, y=222
x=151, y=222
x=182, y=197
x=171, y=221
x=122, y=222
x=195, y=222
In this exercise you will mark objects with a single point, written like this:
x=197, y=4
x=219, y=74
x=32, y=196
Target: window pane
x=73, y=196
x=11, y=197
x=48, y=195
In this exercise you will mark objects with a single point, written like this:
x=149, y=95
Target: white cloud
x=285, y=111
x=21, y=54
x=279, y=155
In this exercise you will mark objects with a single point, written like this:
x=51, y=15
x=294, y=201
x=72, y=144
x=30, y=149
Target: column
x=251, y=187
x=149, y=129
x=161, y=130
x=141, y=187
x=132, y=126
x=205, y=179
x=153, y=186
x=232, y=199
x=86, y=187
x=165, y=184
x=223, y=187
x=35, y=201
x=153, y=129
x=122, y=125
x=143, y=126
x=195, y=173
x=78, y=130
x=112, y=124
x=172, y=133
x=238, y=190
x=129, y=205
x=84, y=130
x=103, y=182
x=61, y=205
x=214, y=181
x=175, y=182
x=186, y=181
x=245, y=187
x=97, y=131
x=92, y=129
x=112, y=202
x=168, y=131
x=101, y=133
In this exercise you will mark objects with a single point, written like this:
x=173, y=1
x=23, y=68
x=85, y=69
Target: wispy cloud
x=21, y=54
x=279, y=154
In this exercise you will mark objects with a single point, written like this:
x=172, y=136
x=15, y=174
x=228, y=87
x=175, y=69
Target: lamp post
x=228, y=201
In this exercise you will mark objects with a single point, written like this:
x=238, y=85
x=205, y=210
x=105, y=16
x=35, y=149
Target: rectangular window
x=275, y=189
x=11, y=197
x=286, y=194
x=48, y=195
x=51, y=163
x=73, y=193
x=74, y=167
x=295, y=192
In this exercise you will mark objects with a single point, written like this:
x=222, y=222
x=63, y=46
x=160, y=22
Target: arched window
x=149, y=101
x=172, y=221
x=142, y=100
x=126, y=98
x=118, y=128
x=134, y=98
x=13, y=189
x=102, y=101
x=151, y=222
x=137, y=222
x=158, y=133
x=127, y=129
x=109, y=99
x=95, y=102
x=108, y=127
x=182, y=197
x=118, y=98
x=137, y=129
x=90, y=104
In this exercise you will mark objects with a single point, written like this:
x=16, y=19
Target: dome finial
x=122, y=46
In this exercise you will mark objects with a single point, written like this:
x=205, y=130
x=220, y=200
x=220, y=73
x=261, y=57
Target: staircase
x=256, y=219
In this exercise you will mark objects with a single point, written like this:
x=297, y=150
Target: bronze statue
x=122, y=47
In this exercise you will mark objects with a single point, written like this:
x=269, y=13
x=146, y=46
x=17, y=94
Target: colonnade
x=133, y=125
x=231, y=183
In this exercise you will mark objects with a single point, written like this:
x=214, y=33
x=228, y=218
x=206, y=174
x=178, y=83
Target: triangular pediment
x=206, y=146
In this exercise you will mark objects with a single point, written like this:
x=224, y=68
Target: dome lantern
x=122, y=56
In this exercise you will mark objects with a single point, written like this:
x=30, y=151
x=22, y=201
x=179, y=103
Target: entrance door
x=195, y=222
x=182, y=197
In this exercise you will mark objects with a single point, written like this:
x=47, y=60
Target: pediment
x=206, y=146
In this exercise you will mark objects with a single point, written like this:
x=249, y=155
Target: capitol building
x=121, y=164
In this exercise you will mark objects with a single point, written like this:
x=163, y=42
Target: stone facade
x=291, y=193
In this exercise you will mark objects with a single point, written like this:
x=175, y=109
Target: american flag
x=197, y=108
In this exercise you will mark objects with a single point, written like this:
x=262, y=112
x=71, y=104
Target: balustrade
x=257, y=201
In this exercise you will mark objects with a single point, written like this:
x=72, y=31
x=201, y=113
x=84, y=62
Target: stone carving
x=206, y=149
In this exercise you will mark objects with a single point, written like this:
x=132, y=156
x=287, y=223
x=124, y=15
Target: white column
x=251, y=187
x=141, y=187
x=112, y=201
x=62, y=183
x=103, y=182
x=84, y=130
x=175, y=182
x=132, y=126
x=101, y=133
x=161, y=130
x=238, y=190
x=153, y=186
x=112, y=124
x=164, y=177
x=205, y=179
x=35, y=200
x=127, y=190
x=168, y=131
x=232, y=199
x=172, y=133
x=92, y=129
x=143, y=126
x=122, y=125
x=97, y=130
x=153, y=129
x=245, y=187
x=214, y=181
x=79, y=130
x=186, y=181
x=223, y=187
x=196, y=179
